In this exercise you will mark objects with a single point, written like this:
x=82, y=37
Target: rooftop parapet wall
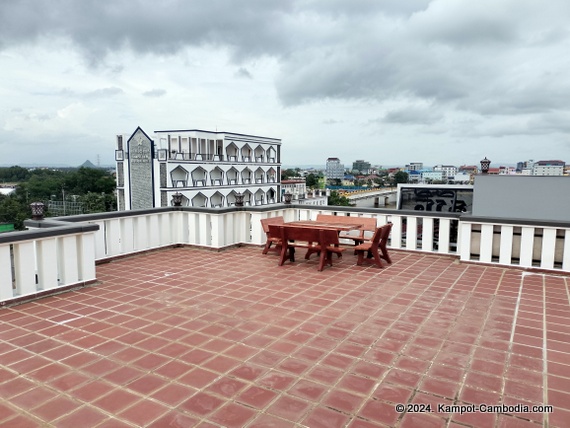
x=533, y=198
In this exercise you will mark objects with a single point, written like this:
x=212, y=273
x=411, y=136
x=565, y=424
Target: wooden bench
x=376, y=248
x=271, y=239
x=365, y=232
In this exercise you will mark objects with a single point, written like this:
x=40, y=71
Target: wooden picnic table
x=315, y=236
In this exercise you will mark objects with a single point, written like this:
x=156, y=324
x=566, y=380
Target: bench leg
x=322, y=260
x=377, y=259
x=310, y=252
x=385, y=255
x=283, y=255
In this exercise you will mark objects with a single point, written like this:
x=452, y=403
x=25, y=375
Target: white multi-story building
x=448, y=170
x=209, y=169
x=430, y=176
x=297, y=187
x=507, y=170
x=334, y=169
x=548, y=167
x=462, y=178
x=415, y=166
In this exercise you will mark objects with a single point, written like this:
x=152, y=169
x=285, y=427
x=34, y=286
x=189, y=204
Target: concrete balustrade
x=33, y=262
x=59, y=253
x=543, y=245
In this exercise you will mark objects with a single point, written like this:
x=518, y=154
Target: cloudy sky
x=388, y=81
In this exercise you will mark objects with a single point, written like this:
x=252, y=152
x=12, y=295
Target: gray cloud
x=243, y=73
x=485, y=68
x=98, y=27
x=155, y=93
x=413, y=116
x=454, y=53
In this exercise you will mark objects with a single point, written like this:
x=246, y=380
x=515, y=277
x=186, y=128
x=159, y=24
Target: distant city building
x=462, y=178
x=296, y=186
x=362, y=166
x=525, y=168
x=468, y=169
x=334, y=169
x=348, y=180
x=507, y=170
x=392, y=171
x=209, y=169
x=549, y=167
x=448, y=170
x=431, y=176
x=415, y=166
x=414, y=176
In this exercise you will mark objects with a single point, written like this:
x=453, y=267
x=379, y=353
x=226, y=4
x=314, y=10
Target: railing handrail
x=52, y=222
x=49, y=229
x=515, y=221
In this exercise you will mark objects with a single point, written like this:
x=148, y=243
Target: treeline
x=93, y=188
x=14, y=174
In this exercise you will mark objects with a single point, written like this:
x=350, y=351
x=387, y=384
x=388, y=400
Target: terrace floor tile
x=192, y=337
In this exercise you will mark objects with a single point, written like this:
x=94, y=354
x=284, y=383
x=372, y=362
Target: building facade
x=548, y=167
x=297, y=187
x=431, y=176
x=448, y=170
x=334, y=169
x=362, y=166
x=415, y=166
x=209, y=169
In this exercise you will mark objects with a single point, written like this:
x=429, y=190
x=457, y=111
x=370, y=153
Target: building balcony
x=209, y=158
x=156, y=329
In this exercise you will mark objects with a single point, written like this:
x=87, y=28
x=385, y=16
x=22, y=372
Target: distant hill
x=88, y=164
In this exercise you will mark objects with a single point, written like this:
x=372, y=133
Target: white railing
x=543, y=245
x=63, y=252
x=35, y=262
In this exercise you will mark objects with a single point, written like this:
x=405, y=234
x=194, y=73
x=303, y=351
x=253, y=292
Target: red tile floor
x=189, y=337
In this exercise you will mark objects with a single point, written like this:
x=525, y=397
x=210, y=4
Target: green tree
x=336, y=199
x=98, y=202
x=312, y=180
x=14, y=174
x=289, y=173
x=13, y=210
x=86, y=180
x=42, y=185
x=401, y=177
